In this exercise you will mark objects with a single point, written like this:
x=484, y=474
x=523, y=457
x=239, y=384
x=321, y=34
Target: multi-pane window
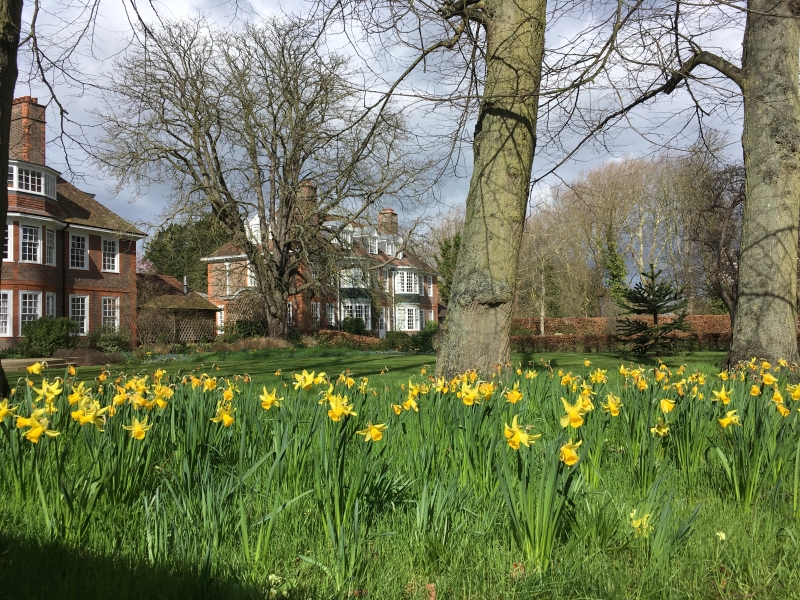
x=406, y=282
x=50, y=305
x=330, y=310
x=8, y=243
x=221, y=319
x=315, y=312
x=10, y=176
x=29, y=307
x=430, y=315
x=79, y=312
x=430, y=285
x=49, y=186
x=5, y=313
x=373, y=245
x=50, y=247
x=29, y=243
x=111, y=312
x=411, y=321
x=29, y=180
x=289, y=314
x=110, y=255
x=77, y=252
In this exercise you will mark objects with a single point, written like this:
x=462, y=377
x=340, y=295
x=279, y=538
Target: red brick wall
x=27, y=141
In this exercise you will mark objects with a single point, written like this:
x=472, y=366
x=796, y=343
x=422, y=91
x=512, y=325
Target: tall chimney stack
x=27, y=140
x=387, y=222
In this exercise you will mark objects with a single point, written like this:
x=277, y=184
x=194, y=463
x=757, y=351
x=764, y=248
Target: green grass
x=92, y=514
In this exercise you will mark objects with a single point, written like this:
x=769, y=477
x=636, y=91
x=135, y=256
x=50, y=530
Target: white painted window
x=77, y=252
x=373, y=245
x=315, y=313
x=430, y=285
x=221, y=319
x=5, y=313
x=420, y=284
x=50, y=247
x=110, y=256
x=50, y=305
x=411, y=319
x=79, y=312
x=430, y=315
x=12, y=170
x=49, y=186
x=111, y=312
x=30, y=307
x=30, y=180
x=331, y=314
x=289, y=314
x=29, y=244
x=251, y=275
x=9, y=243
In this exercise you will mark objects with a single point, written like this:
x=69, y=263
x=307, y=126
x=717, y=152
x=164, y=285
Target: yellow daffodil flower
x=612, y=405
x=777, y=397
x=138, y=428
x=641, y=525
x=71, y=370
x=397, y=409
x=6, y=410
x=568, y=454
x=339, y=408
x=441, y=386
x=513, y=395
x=730, y=418
x=373, y=433
x=304, y=380
x=782, y=409
x=666, y=405
x=269, y=399
x=411, y=403
x=723, y=395
x=586, y=362
x=529, y=374
x=322, y=377
x=35, y=369
x=486, y=390
x=661, y=429
x=516, y=436
x=37, y=426
x=469, y=394
x=574, y=416
x=755, y=391
x=209, y=384
x=769, y=379
x=224, y=414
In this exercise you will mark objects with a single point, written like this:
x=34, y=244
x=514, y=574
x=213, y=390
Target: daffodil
x=48, y=391
x=78, y=393
x=513, y=395
x=373, y=433
x=138, y=428
x=71, y=370
x=666, y=405
x=35, y=369
x=661, y=429
x=574, y=416
x=486, y=390
x=529, y=374
x=6, y=410
x=730, y=418
x=224, y=414
x=517, y=436
x=322, y=377
x=209, y=384
x=269, y=399
x=586, y=362
x=411, y=403
x=782, y=409
x=641, y=525
x=397, y=409
x=339, y=408
x=568, y=454
x=37, y=426
x=441, y=385
x=469, y=394
x=723, y=395
x=304, y=380
x=612, y=405
x=769, y=379
x=755, y=391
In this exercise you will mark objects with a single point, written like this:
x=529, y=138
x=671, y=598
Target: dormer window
x=28, y=178
x=373, y=245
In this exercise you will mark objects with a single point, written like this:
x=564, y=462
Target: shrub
x=109, y=339
x=353, y=325
x=46, y=335
x=396, y=340
x=251, y=328
x=423, y=341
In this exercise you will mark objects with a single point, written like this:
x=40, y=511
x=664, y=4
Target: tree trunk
x=766, y=315
x=10, y=24
x=479, y=312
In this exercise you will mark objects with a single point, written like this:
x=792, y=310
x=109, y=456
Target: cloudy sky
x=92, y=62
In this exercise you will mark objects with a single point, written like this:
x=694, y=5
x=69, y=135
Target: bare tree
x=265, y=127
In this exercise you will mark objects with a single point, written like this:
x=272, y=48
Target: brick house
x=65, y=253
x=388, y=288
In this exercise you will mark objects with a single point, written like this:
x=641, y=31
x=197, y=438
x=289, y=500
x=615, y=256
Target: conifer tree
x=652, y=297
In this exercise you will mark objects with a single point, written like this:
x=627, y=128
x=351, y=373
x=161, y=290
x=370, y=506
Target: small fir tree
x=614, y=270
x=655, y=298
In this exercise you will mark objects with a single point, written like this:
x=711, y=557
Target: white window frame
x=35, y=180
x=103, y=255
x=288, y=314
x=116, y=311
x=45, y=182
x=373, y=245
x=430, y=285
x=330, y=314
x=50, y=299
x=50, y=251
x=221, y=319
x=85, y=266
x=9, y=242
x=251, y=275
x=430, y=315
x=85, y=316
x=8, y=297
x=38, y=313
x=421, y=283
x=38, y=258
x=315, y=314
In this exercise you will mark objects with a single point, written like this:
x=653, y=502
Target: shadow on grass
x=32, y=571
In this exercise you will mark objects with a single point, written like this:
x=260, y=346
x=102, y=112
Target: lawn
x=660, y=482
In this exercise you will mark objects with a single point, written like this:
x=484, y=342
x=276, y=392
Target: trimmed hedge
x=701, y=324
x=607, y=343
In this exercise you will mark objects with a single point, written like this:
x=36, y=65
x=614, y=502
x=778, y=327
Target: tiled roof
x=79, y=208
x=169, y=294
x=226, y=250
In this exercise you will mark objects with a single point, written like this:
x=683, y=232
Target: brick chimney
x=387, y=222
x=27, y=131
